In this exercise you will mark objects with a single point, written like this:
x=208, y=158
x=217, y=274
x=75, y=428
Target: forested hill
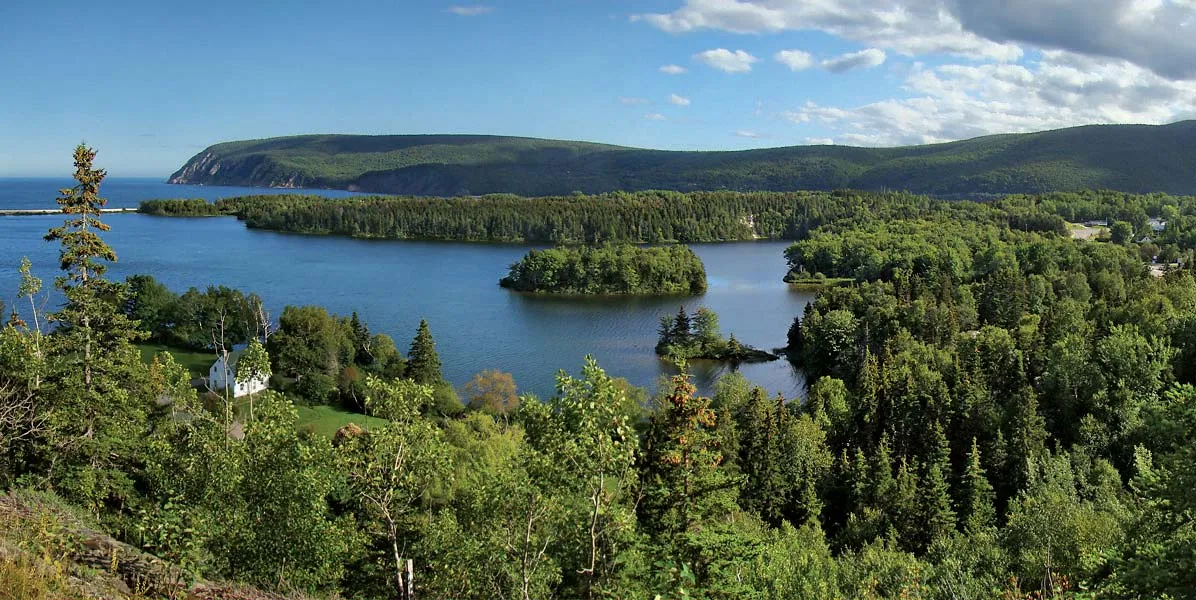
x=1131, y=158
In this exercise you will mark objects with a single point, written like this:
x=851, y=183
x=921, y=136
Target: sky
x=151, y=83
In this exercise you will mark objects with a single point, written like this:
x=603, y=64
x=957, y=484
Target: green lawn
x=325, y=420
x=197, y=363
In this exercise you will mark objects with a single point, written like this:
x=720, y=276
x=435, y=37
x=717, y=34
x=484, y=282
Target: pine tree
x=934, y=498
x=1025, y=441
x=758, y=448
x=96, y=416
x=903, y=510
x=884, y=487
x=361, y=341
x=868, y=384
x=682, y=333
x=683, y=482
x=794, y=338
x=423, y=364
x=976, y=509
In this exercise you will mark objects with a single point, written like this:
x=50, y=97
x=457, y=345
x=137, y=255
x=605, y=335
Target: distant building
x=223, y=376
x=1157, y=225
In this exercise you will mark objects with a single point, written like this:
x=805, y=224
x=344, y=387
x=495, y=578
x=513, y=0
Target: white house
x=222, y=375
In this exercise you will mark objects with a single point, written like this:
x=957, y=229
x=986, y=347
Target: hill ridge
x=1130, y=158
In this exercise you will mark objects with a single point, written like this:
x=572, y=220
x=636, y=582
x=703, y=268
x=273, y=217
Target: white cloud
x=744, y=133
x=632, y=101
x=817, y=141
x=678, y=100
x=957, y=101
x=864, y=59
x=673, y=69
x=796, y=60
x=905, y=26
x=471, y=10
x=654, y=117
x=1159, y=35
x=726, y=60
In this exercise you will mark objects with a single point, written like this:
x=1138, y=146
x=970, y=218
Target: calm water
x=477, y=324
x=127, y=192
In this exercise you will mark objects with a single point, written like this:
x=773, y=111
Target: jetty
x=24, y=212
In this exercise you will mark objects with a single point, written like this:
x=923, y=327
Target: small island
x=609, y=269
x=699, y=338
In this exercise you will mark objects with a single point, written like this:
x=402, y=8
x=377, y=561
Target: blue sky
x=151, y=83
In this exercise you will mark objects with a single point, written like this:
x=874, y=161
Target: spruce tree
x=97, y=416
x=758, y=458
x=683, y=482
x=976, y=509
x=934, y=497
x=361, y=341
x=423, y=364
x=682, y=333
x=903, y=510
x=794, y=338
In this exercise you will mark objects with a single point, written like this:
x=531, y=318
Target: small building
x=222, y=376
x=1157, y=225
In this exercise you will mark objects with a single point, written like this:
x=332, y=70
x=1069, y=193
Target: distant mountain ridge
x=1130, y=158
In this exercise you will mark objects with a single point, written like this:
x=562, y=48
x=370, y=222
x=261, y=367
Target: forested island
x=1130, y=158
x=996, y=409
x=682, y=338
x=673, y=217
x=609, y=269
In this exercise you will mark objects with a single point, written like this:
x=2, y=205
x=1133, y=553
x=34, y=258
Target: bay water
x=393, y=284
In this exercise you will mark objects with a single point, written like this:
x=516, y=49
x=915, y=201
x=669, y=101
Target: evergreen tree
x=97, y=416
x=1025, y=442
x=361, y=341
x=905, y=519
x=976, y=509
x=682, y=333
x=683, y=482
x=423, y=364
x=934, y=498
x=758, y=448
x=794, y=338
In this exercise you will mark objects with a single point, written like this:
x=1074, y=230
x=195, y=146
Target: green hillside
x=1131, y=158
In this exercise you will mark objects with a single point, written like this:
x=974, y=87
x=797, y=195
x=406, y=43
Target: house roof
x=233, y=357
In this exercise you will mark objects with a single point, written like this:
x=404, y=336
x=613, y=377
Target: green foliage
x=1132, y=158
x=620, y=269
x=195, y=320
x=682, y=338
x=96, y=414
x=423, y=364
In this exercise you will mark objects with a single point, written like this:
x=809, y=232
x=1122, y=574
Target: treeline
x=609, y=269
x=180, y=207
x=665, y=217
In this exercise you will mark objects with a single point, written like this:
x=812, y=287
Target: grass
x=325, y=420
x=197, y=363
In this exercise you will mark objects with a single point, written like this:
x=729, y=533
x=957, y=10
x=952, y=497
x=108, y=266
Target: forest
x=999, y=411
x=1129, y=158
x=609, y=269
x=674, y=217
